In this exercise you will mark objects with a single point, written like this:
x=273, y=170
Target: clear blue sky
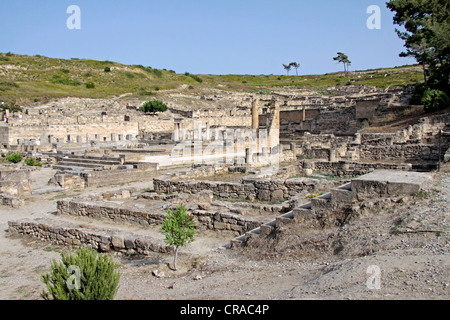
x=206, y=36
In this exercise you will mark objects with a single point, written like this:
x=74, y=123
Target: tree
x=426, y=34
x=84, y=276
x=296, y=66
x=287, y=68
x=343, y=58
x=154, y=106
x=179, y=229
x=434, y=99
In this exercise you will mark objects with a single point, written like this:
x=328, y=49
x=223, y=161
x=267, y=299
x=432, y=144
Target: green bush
x=33, y=162
x=434, y=99
x=14, y=157
x=154, y=106
x=84, y=276
x=90, y=85
x=107, y=69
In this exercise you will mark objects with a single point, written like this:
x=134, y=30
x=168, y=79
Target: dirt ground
x=399, y=254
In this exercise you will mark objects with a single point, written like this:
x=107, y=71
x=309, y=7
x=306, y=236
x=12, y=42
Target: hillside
x=28, y=79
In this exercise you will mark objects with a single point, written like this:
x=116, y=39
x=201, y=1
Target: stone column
x=248, y=156
x=255, y=114
x=208, y=133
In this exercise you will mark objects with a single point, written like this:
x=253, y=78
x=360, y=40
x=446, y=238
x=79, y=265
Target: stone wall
x=15, y=181
x=75, y=235
x=347, y=168
x=250, y=188
x=140, y=172
x=206, y=220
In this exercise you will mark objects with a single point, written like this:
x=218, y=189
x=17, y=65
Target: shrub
x=154, y=106
x=33, y=162
x=90, y=85
x=84, y=276
x=107, y=69
x=196, y=78
x=65, y=81
x=179, y=229
x=434, y=99
x=14, y=157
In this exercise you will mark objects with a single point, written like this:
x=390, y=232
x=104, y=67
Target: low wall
x=249, y=188
x=349, y=169
x=140, y=172
x=207, y=220
x=103, y=241
x=399, y=152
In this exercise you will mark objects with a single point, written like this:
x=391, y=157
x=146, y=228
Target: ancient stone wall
x=206, y=220
x=250, y=188
x=141, y=172
x=347, y=168
x=74, y=235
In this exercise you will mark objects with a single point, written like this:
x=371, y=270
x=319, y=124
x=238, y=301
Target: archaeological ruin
x=259, y=162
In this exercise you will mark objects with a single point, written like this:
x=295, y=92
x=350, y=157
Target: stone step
x=303, y=213
x=342, y=196
x=91, y=161
x=69, y=169
x=65, y=163
x=321, y=203
x=285, y=219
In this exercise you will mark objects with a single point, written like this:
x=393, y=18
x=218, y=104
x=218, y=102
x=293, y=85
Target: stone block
x=277, y=195
x=117, y=242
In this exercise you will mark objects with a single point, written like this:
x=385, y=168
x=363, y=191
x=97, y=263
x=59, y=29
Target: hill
x=27, y=79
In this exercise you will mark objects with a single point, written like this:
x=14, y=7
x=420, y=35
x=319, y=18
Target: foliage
x=426, y=36
x=343, y=58
x=7, y=85
x=287, y=67
x=90, y=85
x=107, y=69
x=14, y=157
x=434, y=99
x=154, y=106
x=12, y=107
x=57, y=79
x=33, y=162
x=179, y=229
x=295, y=65
x=196, y=78
x=97, y=279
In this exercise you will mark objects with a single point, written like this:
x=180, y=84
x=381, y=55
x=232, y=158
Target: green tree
x=434, y=99
x=154, y=106
x=287, y=67
x=343, y=58
x=295, y=65
x=179, y=229
x=426, y=33
x=84, y=276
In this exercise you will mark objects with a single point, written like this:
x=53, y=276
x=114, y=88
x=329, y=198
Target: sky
x=206, y=36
